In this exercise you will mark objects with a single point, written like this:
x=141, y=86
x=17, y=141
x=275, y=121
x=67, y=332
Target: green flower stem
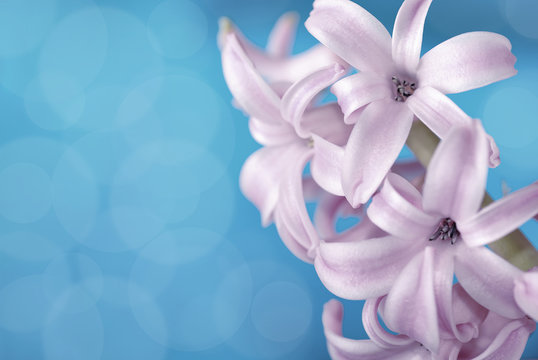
x=514, y=247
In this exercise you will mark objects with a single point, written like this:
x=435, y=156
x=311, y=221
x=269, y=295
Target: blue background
x=123, y=234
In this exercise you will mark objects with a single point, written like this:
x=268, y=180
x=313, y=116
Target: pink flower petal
x=411, y=307
x=291, y=207
x=261, y=176
x=456, y=177
x=327, y=211
x=358, y=90
x=374, y=144
x=526, y=293
x=271, y=134
x=364, y=268
x=341, y=348
x=488, y=278
x=407, y=34
x=437, y=111
x=397, y=209
x=375, y=330
x=326, y=165
x=467, y=61
x=464, y=315
x=326, y=121
x=441, y=114
x=364, y=230
x=500, y=338
x=296, y=248
x=282, y=36
x=501, y=217
x=301, y=93
x=494, y=158
x=247, y=86
x=408, y=169
x=351, y=33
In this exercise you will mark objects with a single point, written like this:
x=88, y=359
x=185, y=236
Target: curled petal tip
x=226, y=27
x=291, y=16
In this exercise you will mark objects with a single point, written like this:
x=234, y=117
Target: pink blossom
x=293, y=133
x=430, y=238
x=469, y=331
x=395, y=84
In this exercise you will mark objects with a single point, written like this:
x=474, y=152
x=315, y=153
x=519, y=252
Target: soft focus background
x=123, y=234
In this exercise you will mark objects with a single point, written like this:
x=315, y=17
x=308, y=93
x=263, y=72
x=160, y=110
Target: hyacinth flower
x=490, y=337
x=275, y=63
x=395, y=84
x=271, y=178
x=432, y=237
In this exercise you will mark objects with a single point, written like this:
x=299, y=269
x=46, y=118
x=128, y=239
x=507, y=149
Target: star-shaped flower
x=394, y=84
x=293, y=132
x=432, y=237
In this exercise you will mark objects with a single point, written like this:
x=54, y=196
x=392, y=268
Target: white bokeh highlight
x=521, y=15
x=25, y=193
x=74, y=282
x=177, y=29
x=23, y=24
x=69, y=336
x=281, y=311
x=23, y=305
x=512, y=126
x=77, y=46
x=211, y=282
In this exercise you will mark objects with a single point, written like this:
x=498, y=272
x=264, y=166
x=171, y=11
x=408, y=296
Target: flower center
x=446, y=230
x=404, y=88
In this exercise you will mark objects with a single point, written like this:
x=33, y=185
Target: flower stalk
x=514, y=247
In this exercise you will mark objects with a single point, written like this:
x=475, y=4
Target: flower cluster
x=421, y=225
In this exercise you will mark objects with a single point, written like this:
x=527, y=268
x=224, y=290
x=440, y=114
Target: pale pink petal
x=407, y=34
x=494, y=155
x=456, y=177
x=261, y=176
x=282, y=36
x=526, y=293
x=488, y=278
x=408, y=169
x=312, y=192
x=351, y=33
x=467, y=61
x=374, y=144
x=376, y=332
x=246, y=85
x=279, y=69
x=358, y=90
x=296, y=67
x=500, y=338
x=290, y=241
x=341, y=348
x=364, y=268
x=501, y=217
x=437, y=111
x=326, y=165
x=327, y=122
x=300, y=94
x=364, y=230
x=291, y=207
x=411, y=305
x=397, y=209
x=461, y=316
x=271, y=134
x=327, y=211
